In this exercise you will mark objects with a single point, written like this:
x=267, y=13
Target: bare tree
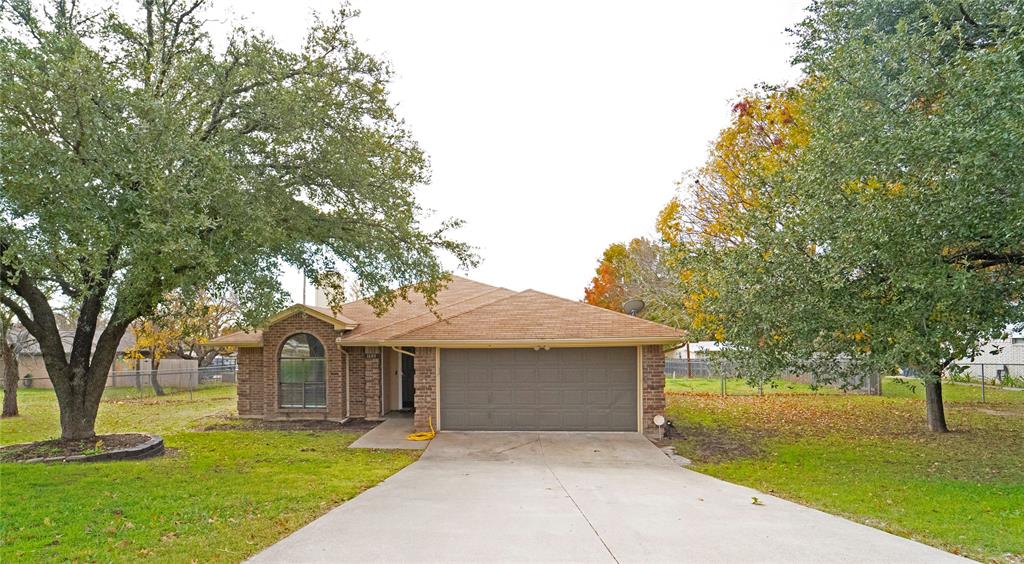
x=16, y=340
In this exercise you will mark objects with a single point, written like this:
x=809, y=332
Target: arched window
x=302, y=371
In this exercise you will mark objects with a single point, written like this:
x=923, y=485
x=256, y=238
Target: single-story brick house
x=490, y=359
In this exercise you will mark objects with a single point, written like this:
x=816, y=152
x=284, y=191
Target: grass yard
x=218, y=496
x=739, y=386
x=872, y=459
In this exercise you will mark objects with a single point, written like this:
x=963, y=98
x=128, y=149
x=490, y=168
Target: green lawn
x=739, y=386
x=871, y=458
x=218, y=496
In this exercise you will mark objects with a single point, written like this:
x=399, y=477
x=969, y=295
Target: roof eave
x=231, y=343
x=342, y=324
x=513, y=343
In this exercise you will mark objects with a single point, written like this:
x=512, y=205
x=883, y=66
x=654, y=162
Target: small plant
x=96, y=449
x=1011, y=381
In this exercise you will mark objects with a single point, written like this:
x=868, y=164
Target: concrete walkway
x=572, y=497
x=391, y=434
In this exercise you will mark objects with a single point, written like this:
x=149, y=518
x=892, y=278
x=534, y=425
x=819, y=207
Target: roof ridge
x=474, y=296
x=470, y=310
x=453, y=276
x=633, y=317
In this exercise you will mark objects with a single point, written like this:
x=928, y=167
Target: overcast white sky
x=556, y=128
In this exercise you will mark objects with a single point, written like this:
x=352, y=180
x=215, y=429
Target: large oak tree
x=872, y=219
x=139, y=158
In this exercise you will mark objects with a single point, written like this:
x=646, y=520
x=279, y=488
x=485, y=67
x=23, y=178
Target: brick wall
x=250, y=382
x=425, y=364
x=357, y=380
x=273, y=337
x=652, y=363
x=371, y=382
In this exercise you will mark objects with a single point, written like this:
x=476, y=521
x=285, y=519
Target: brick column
x=652, y=363
x=357, y=380
x=250, y=382
x=425, y=381
x=372, y=382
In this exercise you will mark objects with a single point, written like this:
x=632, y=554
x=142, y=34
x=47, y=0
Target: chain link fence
x=139, y=383
x=974, y=381
x=988, y=376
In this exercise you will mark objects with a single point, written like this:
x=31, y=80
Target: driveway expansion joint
x=540, y=444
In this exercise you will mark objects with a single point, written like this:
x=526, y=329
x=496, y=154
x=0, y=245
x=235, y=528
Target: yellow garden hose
x=424, y=436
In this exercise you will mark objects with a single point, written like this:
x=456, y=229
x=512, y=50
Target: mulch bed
x=352, y=425
x=58, y=448
x=712, y=445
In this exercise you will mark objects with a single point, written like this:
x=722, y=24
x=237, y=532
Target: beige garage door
x=573, y=389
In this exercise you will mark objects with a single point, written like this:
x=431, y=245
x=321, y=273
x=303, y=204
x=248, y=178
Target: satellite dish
x=633, y=306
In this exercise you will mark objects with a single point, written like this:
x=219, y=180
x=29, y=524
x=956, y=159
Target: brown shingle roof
x=461, y=293
x=536, y=316
x=471, y=312
x=238, y=339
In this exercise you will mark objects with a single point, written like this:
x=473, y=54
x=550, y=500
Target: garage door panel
x=501, y=396
x=523, y=389
x=524, y=375
x=549, y=375
x=516, y=355
x=455, y=396
x=501, y=375
x=549, y=398
x=574, y=398
x=573, y=375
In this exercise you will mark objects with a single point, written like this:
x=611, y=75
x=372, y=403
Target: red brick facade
x=426, y=388
x=372, y=382
x=250, y=382
x=652, y=388
x=257, y=375
x=361, y=395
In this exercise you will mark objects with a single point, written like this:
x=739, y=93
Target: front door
x=408, y=379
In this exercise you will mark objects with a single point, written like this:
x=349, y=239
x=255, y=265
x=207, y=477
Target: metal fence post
x=982, y=383
x=723, y=384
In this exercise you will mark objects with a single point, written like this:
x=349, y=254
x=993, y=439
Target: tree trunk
x=933, y=403
x=157, y=388
x=10, y=380
x=77, y=412
x=207, y=357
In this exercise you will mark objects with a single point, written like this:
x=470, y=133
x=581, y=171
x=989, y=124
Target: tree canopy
x=140, y=159
x=870, y=218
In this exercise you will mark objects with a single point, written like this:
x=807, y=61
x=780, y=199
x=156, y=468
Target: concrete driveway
x=564, y=497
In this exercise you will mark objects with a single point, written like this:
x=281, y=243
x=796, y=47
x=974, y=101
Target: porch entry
x=408, y=377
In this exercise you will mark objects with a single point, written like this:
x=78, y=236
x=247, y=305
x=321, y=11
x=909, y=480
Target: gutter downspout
x=402, y=351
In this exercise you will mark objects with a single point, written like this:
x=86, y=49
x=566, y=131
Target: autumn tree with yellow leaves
x=872, y=218
x=182, y=326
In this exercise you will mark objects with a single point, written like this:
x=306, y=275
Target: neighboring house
x=1000, y=357
x=699, y=350
x=490, y=359
x=32, y=368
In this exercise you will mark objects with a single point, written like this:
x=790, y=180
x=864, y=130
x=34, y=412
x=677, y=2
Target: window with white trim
x=302, y=372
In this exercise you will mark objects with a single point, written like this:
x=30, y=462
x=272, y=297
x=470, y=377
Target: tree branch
x=983, y=258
